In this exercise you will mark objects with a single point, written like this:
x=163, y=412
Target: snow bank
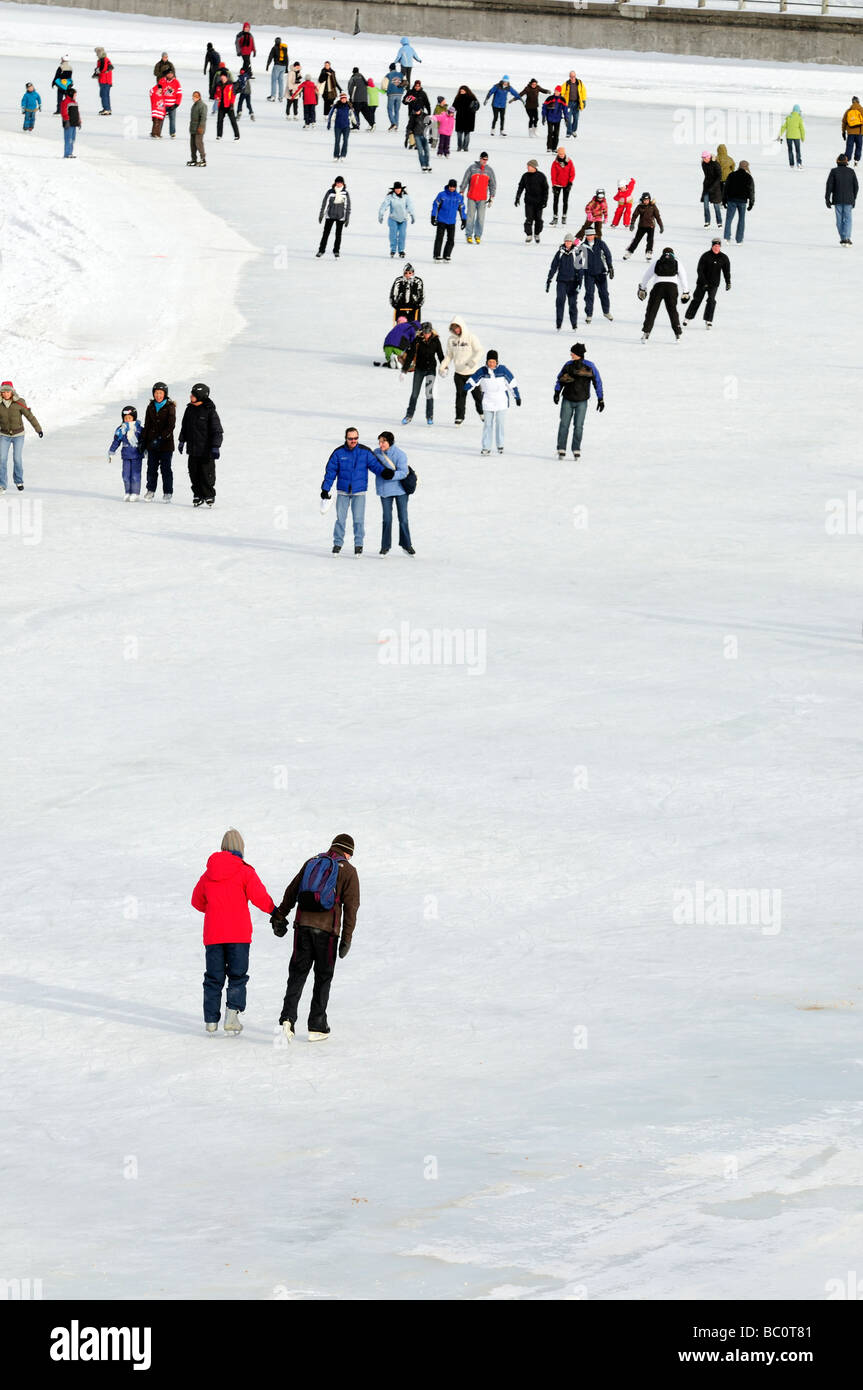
x=107, y=277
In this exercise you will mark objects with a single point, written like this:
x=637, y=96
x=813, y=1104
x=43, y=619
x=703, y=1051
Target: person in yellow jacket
x=795, y=133
x=575, y=97
x=725, y=162
x=852, y=129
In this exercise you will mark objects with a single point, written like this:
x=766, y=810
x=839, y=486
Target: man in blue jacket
x=348, y=467
x=448, y=205
x=565, y=265
x=501, y=93
x=594, y=258
x=573, y=383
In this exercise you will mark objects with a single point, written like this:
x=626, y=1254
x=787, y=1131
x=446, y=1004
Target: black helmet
x=200, y=391
x=159, y=386
x=129, y=410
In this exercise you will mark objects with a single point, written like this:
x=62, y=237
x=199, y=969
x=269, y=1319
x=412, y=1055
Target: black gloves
x=344, y=947
x=434, y=221
x=180, y=447
x=600, y=405
x=548, y=287
x=728, y=286
x=214, y=453
x=611, y=272
x=827, y=201
x=642, y=294
x=684, y=298
x=325, y=496
x=557, y=398
x=388, y=473
x=278, y=924
x=464, y=226
x=518, y=402
x=40, y=434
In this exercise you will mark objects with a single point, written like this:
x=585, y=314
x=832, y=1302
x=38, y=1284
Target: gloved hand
x=180, y=447
x=325, y=496
x=557, y=398
x=40, y=434
x=600, y=405
x=464, y=226
x=214, y=453
x=684, y=298
x=434, y=221
x=516, y=202
x=642, y=294
x=611, y=273
x=518, y=402
x=388, y=473
x=548, y=287
x=413, y=220
x=278, y=923
x=728, y=286
x=344, y=947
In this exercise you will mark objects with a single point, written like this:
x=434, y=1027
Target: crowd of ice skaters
x=582, y=264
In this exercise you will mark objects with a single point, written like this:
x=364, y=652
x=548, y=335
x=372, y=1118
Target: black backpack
x=666, y=266
x=73, y=115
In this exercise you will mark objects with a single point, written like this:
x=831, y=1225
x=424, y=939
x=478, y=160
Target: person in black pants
x=422, y=359
x=201, y=435
x=448, y=205
x=712, y=266
x=318, y=934
x=645, y=219
x=335, y=212
x=662, y=279
x=157, y=441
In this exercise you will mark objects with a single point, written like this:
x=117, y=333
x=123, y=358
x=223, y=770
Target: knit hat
x=557, y=89
x=705, y=154
x=532, y=164
x=343, y=842
x=492, y=352
x=645, y=195
x=200, y=391
x=232, y=840
x=505, y=78
x=717, y=241
x=795, y=108
x=452, y=183
x=6, y=386
x=570, y=236
x=589, y=233
x=407, y=267
x=579, y=349
x=483, y=154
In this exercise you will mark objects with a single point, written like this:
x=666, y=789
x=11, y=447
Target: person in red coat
x=245, y=46
x=623, y=198
x=562, y=179
x=157, y=108
x=224, y=101
x=223, y=893
x=173, y=94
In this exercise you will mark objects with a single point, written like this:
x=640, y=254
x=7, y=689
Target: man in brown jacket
x=317, y=929
x=13, y=412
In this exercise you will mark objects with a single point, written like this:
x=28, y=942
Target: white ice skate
x=212, y=1027
x=232, y=1021
x=318, y=1037
x=288, y=1030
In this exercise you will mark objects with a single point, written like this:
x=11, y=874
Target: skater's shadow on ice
x=241, y=543
x=77, y=492
x=34, y=994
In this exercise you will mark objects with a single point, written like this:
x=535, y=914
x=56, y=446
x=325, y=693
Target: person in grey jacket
x=390, y=490
x=335, y=212
x=197, y=126
x=358, y=93
x=841, y=195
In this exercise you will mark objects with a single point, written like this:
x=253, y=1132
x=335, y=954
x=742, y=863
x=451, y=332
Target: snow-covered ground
x=541, y=1082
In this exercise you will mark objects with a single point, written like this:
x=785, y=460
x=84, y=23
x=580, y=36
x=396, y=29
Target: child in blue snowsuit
x=31, y=102
x=126, y=438
x=501, y=94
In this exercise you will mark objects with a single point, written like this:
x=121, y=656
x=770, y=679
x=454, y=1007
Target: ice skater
x=223, y=893
x=127, y=438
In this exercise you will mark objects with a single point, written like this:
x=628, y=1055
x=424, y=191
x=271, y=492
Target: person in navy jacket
x=127, y=438
x=447, y=206
x=348, y=467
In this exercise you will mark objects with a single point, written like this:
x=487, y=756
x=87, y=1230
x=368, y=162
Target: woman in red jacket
x=223, y=893
x=562, y=179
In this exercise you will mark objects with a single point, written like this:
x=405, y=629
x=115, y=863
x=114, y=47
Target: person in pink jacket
x=223, y=893
x=445, y=127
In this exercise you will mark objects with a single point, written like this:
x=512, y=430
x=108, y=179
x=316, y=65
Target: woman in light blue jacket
x=390, y=490
x=397, y=204
x=406, y=57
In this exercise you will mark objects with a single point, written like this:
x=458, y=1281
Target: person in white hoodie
x=663, y=278
x=497, y=384
x=464, y=355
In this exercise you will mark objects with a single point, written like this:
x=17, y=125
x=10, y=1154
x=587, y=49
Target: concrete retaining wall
x=644, y=29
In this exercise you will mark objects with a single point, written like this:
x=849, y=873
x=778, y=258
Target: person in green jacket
x=373, y=100
x=795, y=133
x=197, y=126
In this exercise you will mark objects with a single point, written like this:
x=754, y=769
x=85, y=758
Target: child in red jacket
x=623, y=198
x=223, y=893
